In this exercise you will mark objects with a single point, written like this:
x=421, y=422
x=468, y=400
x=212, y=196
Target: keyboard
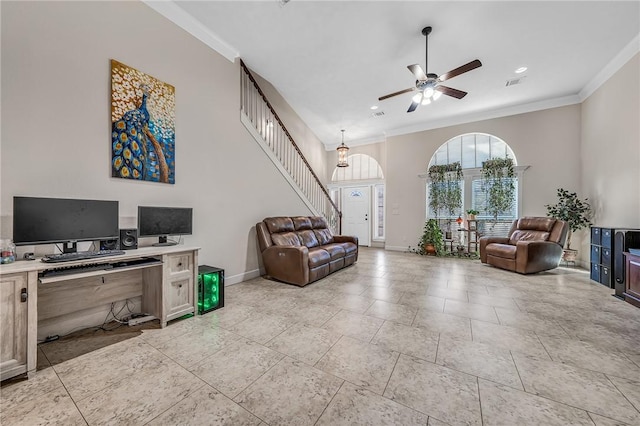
x=75, y=269
x=80, y=255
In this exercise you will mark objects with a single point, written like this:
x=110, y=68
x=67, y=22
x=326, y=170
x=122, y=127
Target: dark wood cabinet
x=632, y=291
x=607, y=258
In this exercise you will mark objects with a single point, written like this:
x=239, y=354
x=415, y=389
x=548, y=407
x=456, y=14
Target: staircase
x=261, y=120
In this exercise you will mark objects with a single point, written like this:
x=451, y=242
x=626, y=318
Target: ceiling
x=331, y=60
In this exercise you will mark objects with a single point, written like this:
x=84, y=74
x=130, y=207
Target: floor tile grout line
x=517, y=370
x=391, y=375
x=70, y=397
x=480, y=400
x=258, y=378
x=330, y=401
x=179, y=401
x=623, y=394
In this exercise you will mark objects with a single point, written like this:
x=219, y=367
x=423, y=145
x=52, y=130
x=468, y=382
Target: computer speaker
x=128, y=239
x=109, y=244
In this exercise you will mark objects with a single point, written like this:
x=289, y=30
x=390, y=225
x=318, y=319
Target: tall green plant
x=498, y=177
x=576, y=212
x=445, y=191
x=431, y=234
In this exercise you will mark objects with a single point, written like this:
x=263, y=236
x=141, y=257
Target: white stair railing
x=263, y=123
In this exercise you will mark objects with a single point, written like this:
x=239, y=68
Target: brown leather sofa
x=534, y=244
x=301, y=250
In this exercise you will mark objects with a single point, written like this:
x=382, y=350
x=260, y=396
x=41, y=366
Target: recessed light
x=374, y=107
x=521, y=70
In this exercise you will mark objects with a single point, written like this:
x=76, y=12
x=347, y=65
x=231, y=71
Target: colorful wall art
x=143, y=129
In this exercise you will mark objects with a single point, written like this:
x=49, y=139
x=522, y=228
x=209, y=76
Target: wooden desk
x=632, y=279
x=32, y=304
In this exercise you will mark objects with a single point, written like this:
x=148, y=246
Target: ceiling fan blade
x=415, y=104
x=382, y=98
x=460, y=70
x=417, y=70
x=451, y=92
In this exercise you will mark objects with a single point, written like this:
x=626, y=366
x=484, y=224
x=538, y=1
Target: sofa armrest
x=537, y=256
x=484, y=241
x=345, y=239
x=287, y=263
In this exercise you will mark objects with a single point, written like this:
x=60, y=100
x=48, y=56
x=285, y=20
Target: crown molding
x=181, y=18
x=611, y=68
x=468, y=118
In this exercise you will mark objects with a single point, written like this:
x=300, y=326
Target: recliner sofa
x=534, y=244
x=301, y=250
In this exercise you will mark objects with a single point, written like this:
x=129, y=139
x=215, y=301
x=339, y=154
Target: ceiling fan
x=428, y=85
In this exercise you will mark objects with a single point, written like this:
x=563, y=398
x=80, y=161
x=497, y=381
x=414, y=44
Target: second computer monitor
x=162, y=222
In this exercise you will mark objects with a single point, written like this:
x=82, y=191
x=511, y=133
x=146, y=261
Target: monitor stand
x=69, y=247
x=162, y=242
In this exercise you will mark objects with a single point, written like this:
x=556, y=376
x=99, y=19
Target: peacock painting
x=142, y=129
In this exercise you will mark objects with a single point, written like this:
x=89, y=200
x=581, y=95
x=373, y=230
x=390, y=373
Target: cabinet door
x=13, y=324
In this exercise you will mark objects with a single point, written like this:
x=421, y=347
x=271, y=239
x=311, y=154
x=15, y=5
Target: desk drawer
x=180, y=262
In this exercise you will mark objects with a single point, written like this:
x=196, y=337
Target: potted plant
x=576, y=212
x=430, y=242
x=498, y=181
x=445, y=190
x=471, y=214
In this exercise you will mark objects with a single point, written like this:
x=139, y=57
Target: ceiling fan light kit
x=428, y=85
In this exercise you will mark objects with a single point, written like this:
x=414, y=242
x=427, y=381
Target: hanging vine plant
x=445, y=191
x=498, y=177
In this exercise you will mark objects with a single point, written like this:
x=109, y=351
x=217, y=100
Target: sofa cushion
x=324, y=236
x=349, y=248
x=301, y=223
x=318, y=222
x=520, y=235
x=308, y=238
x=279, y=224
x=544, y=224
x=318, y=257
x=286, y=239
x=505, y=251
x=336, y=251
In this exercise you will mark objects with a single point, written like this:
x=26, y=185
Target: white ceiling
x=331, y=60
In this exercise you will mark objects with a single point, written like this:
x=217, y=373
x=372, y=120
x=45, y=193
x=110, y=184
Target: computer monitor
x=63, y=220
x=164, y=221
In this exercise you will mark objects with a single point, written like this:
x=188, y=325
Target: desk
x=31, y=304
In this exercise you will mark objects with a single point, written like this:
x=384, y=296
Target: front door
x=356, y=212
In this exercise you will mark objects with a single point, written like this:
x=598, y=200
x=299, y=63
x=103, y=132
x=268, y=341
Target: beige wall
x=548, y=141
x=56, y=123
x=611, y=148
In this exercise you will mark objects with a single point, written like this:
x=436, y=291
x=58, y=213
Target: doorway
x=356, y=213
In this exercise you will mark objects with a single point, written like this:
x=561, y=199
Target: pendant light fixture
x=342, y=153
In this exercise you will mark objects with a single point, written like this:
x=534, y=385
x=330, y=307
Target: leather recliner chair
x=534, y=244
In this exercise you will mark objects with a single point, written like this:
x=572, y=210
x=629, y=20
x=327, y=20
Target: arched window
x=363, y=170
x=471, y=150
x=361, y=167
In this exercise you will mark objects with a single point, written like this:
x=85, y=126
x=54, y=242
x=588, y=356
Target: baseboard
x=238, y=278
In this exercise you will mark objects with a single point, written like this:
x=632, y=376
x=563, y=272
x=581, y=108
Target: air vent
x=515, y=81
x=378, y=114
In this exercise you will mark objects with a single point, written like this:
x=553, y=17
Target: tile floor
x=397, y=339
